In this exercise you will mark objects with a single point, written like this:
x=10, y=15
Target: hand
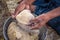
x=25, y=4
x=39, y=21
x=19, y=8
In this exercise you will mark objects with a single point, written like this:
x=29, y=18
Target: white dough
x=24, y=16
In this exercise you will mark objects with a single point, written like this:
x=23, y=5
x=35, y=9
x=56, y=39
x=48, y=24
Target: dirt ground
x=4, y=14
x=6, y=7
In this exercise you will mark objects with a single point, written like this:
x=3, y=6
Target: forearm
x=19, y=8
x=52, y=14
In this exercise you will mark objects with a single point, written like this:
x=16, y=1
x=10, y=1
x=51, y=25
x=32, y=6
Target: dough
x=16, y=33
x=24, y=16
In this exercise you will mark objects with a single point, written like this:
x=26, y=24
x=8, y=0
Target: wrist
x=44, y=17
x=47, y=16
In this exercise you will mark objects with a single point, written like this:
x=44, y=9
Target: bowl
x=41, y=35
x=5, y=27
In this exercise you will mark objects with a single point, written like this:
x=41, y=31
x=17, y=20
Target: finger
x=13, y=16
x=27, y=7
x=13, y=13
x=34, y=21
x=35, y=27
x=31, y=24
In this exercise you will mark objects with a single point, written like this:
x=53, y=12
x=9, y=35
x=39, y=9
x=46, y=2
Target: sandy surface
x=3, y=16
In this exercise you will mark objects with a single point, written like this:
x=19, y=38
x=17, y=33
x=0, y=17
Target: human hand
x=39, y=21
x=19, y=8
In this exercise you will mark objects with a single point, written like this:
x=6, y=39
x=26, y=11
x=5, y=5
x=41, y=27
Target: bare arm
x=25, y=4
x=19, y=8
x=52, y=14
x=44, y=18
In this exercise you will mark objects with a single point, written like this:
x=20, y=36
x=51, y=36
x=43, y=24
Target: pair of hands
x=38, y=22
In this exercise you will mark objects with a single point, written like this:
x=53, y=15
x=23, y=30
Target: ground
x=6, y=8
x=4, y=14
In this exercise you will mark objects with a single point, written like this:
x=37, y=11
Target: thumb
x=13, y=16
x=27, y=7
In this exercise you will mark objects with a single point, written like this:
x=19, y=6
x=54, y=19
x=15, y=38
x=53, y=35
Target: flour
x=24, y=16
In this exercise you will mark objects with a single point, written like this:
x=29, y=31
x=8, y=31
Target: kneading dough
x=24, y=16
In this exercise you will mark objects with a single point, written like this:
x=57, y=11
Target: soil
x=4, y=14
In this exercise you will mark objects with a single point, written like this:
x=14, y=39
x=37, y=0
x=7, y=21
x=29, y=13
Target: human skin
x=42, y=19
x=39, y=20
x=25, y=4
